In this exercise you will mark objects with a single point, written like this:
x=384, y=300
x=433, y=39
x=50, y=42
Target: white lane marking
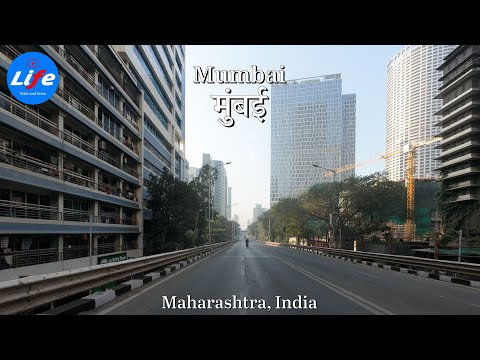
x=357, y=299
x=249, y=256
x=361, y=272
x=141, y=292
x=474, y=305
x=242, y=267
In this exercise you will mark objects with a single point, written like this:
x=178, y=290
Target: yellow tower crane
x=409, y=149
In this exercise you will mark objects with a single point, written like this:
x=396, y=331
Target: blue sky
x=247, y=144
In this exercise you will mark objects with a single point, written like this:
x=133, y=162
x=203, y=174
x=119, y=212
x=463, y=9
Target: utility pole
x=335, y=202
x=209, y=203
x=269, y=229
x=210, y=198
x=460, y=245
x=90, y=244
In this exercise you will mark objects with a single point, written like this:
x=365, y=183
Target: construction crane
x=408, y=149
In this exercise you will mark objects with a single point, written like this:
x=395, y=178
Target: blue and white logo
x=32, y=78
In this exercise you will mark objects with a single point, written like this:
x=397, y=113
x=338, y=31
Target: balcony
x=457, y=148
x=22, y=161
x=23, y=112
x=78, y=142
x=463, y=172
x=114, y=218
x=9, y=51
x=20, y=258
x=459, y=159
x=466, y=197
x=15, y=209
x=75, y=64
x=109, y=189
x=91, y=81
x=107, y=157
x=80, y=106
x=103, y=56
x=19, y=210
x=462, y=185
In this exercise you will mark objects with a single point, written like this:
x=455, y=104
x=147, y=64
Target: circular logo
x=32, y=78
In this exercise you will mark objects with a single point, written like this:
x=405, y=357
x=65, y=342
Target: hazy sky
x=247, y=144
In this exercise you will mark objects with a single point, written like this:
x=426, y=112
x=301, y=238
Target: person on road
x=246, y=241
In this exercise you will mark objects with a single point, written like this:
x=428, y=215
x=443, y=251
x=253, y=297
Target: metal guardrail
x=22, y=295
x=429, y=264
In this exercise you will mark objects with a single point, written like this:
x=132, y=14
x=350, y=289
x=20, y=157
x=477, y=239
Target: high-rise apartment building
x=229, y=203
x=192, y=173
x=459, y=128
x=159, y=74
x=77, y=164
x=257, y=211
x=220, y=189
x=312, y=123
x=236, y=218
x=412, y=84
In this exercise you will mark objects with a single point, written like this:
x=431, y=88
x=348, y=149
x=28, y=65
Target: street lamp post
x=334, y=208
x=90, y=243
x=210, y=198
x=459, y=244
x=228, y=206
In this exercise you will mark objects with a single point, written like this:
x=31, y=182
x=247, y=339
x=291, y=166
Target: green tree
x=175, y=206
x=363, y=203
x=201, y=185
x=452, y=212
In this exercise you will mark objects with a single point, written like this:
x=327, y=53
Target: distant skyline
x=247, y=144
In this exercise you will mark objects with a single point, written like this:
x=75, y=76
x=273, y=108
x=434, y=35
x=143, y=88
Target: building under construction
x=425, y=205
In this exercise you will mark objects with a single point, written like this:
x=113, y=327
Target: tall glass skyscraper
x=312, y=123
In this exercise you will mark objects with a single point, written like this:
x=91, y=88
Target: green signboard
x=112, y=258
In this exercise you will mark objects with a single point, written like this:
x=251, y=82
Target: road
x=320, y=285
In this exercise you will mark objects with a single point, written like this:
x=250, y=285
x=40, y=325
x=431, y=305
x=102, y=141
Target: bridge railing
x=26, y=294
x=446, y=266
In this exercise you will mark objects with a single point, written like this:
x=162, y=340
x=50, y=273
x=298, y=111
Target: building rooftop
x=312, y=79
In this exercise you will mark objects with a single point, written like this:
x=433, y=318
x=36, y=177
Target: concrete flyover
x=264, y=279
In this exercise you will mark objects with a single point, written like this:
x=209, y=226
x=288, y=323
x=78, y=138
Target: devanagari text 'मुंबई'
x=241, y=104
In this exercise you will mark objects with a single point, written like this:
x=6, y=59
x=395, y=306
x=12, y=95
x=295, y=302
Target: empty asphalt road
x=264, y=280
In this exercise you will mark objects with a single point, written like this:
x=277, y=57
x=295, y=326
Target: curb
x=426, y=274
x=99, y=298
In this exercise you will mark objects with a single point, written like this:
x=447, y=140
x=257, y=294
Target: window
x=178, y=120
x=154, y=80
x=149, y=125
x=179, y=82
x=108, y=91
x=165, y=52
x=158, y=154
x=179, y=64
x=153, y=105
x=179, y=102
x=156, y=56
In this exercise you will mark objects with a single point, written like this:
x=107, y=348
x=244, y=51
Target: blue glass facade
x=312, y=123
